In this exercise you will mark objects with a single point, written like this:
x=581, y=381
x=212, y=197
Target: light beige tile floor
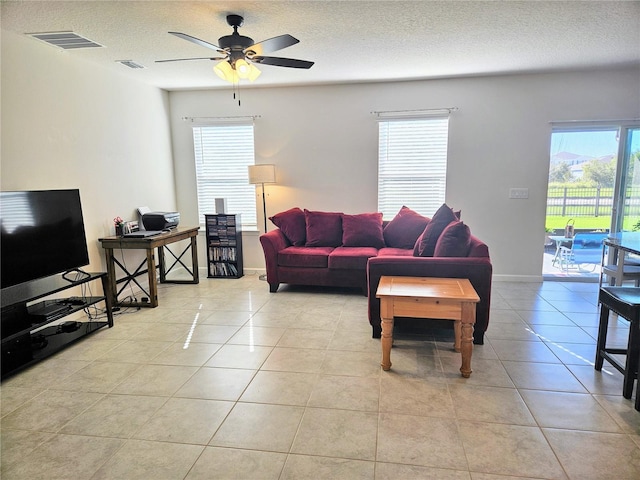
x=225, y=380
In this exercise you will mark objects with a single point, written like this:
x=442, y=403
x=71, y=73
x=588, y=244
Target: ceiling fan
x=239, y=53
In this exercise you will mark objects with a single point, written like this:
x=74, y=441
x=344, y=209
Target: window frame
x=420, y=187
x=214, y=145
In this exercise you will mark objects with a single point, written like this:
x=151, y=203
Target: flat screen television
x=42, y=234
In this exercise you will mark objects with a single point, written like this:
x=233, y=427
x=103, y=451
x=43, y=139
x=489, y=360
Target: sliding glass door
x=626, y=210
x=594, y=186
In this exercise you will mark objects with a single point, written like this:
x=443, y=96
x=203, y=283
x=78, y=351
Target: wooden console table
x=425, y=297
x=149, y=244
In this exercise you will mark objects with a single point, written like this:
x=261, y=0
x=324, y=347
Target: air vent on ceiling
x=65, y=40
x=130, y=64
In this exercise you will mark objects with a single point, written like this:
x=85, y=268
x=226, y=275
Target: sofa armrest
x=272, y=242
x=477, y=269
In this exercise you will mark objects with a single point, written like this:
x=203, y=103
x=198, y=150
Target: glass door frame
x=622, y=169
x=623, y=154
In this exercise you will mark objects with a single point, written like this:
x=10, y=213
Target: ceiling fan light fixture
x=246, y=70
x=242, y=67
x=240, y=53
x=254, y=72
x=225, y=71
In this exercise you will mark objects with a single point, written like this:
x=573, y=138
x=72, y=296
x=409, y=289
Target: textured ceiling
x=349, y=41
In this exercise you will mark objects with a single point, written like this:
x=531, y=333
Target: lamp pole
x=264, y=208
x=259, y=175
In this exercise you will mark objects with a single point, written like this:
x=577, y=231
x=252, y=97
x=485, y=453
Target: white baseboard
x=518, y=278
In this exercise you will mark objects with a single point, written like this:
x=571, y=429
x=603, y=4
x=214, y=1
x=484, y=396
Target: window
x=412, y=164
x=222, y=155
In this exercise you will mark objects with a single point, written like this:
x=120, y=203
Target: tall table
x=620, y=244
x=149, y=244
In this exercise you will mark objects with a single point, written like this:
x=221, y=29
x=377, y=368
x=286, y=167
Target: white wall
x=70, y=124
x=323, y=140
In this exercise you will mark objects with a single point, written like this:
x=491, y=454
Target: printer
x=160, y=220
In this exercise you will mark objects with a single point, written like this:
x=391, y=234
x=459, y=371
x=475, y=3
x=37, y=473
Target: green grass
x=587, y=223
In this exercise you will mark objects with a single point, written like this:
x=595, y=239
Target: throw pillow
x=324, y=229
x=363, y=230
x=426, y=244
x=292, y=224
x=404, y=229
x=455, y=241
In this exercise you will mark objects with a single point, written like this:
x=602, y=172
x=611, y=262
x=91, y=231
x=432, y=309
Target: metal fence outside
x=589, y=201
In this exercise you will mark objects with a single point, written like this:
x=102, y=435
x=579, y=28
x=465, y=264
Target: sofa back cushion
x=292, y=223
x=404, y=229
x=362, y=230
x=323, y=229
x=426, y=244
x=454, y=241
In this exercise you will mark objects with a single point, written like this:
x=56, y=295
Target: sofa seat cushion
x=309, y=257
x=395, y=252
x=351, y=258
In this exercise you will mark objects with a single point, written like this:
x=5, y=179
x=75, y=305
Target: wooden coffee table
x=424, y=297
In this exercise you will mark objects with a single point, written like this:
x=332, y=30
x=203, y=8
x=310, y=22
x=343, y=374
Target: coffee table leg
x=457, y=334
x=386, y=314
x=466, y=347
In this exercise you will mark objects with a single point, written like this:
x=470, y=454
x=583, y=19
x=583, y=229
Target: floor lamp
x=259, y=175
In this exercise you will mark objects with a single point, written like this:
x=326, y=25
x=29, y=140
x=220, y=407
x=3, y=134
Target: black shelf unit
x=26, y=339
x=224, y=246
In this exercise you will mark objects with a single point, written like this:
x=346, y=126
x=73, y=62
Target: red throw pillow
x=404, y=229
x=426, y=244
x=324, y=229
x=363, y=230
x=454, y=241
x=292, y=224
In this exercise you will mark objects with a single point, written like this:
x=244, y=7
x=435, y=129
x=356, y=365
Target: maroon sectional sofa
x=334, y=249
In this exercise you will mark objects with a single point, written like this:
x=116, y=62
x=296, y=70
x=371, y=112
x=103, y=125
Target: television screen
x=42, y=235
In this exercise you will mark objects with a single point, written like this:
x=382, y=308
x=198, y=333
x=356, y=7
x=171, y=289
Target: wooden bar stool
x=625, y=301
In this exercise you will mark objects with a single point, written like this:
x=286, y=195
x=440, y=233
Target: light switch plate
x=519, y=193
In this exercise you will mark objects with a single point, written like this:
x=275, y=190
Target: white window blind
x=222, y=155
x=412, y=164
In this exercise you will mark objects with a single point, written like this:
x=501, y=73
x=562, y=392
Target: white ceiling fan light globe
x=242, y=68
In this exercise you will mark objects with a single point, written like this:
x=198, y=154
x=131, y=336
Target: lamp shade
x=265, y=173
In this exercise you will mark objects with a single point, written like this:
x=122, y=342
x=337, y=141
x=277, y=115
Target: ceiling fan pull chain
x=236, y=85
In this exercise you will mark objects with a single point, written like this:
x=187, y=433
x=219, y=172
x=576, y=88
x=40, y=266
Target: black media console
x=26, y=339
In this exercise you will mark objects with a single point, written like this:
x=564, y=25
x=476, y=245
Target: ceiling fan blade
x=184, y=59
x=283, y=62
x=195, y=40
x=272, y=44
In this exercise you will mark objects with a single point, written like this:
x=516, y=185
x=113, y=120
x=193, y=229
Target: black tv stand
x=26, y=338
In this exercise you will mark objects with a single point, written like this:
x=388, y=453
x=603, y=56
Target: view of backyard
x=582, y=193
